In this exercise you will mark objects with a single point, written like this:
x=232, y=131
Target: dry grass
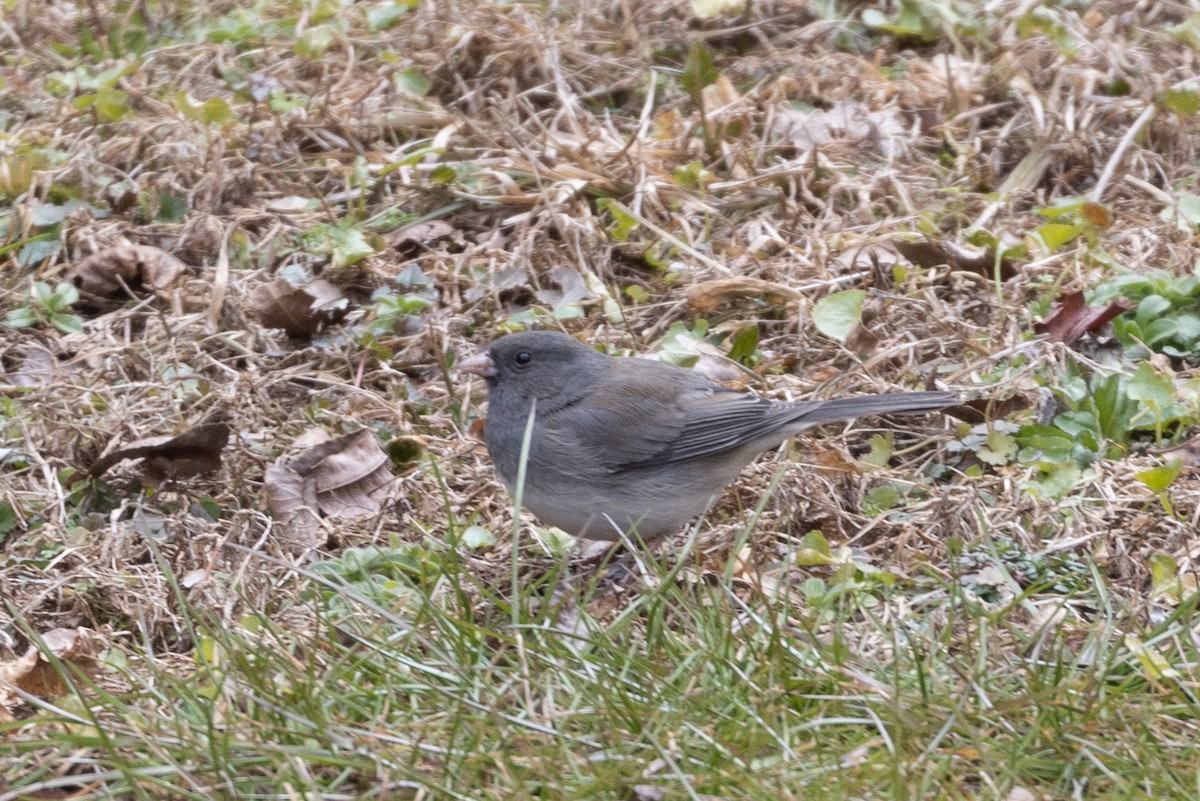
x=533, y=115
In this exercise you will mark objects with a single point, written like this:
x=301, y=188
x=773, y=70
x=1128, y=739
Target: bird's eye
x=523, y=358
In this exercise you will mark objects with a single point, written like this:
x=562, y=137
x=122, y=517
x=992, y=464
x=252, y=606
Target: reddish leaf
x=1071, y=319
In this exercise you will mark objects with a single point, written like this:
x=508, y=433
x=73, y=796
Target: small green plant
x=47, y=306
x=983, y=567
x=395, y=314
x=343, y=243
x=389, y=577
x=1166, y=318
x=853, y=579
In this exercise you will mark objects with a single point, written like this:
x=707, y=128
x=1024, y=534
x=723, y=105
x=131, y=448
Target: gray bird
x=630, y=444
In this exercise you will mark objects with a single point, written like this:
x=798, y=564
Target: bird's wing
x=720, y=419
x=661, y=417
x=637, y=421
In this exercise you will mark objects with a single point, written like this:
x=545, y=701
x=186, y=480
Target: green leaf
x=1042, y=443
x=1151, y=387
x=1056, y=481
x=21, y=317
x=172, y=208
x=42, y=293
x=1000, y=448
x=8, y=518
x=476, y=537
x=216, y=111
x=38, y=249
x=698, y=71
x=745, y=344
x=881, y=449
x=880, y=499
x=351, y=247
x=1185, y=213
x=814, y=550
x=636, y=293
x=1184, y=102
x=67, y=323
x=315, y=41
x=413, y=81
x=1188, y=32
x=385, y=15
x=1161, y=477
x=1055, y=235
x=623, y=221
x=836, y=315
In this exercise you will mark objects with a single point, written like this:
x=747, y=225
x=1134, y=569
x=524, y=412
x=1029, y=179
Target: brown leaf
x=981, y=410
x=1071, y=319
x=344, y=477
x=413, y=239
x=706, y=296
x=1187, y=452
x=114, y=271
x=38, y=365
x=847, y=121
x=192, y=453
x=1097, y=214
x=301, y=311
x=831, y=461
x=33, y=672
x=573, y=289
x=931, y=253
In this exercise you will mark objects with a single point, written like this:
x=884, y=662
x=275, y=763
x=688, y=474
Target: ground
x=236, y=236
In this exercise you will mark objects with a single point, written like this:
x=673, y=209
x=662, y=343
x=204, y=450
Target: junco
x=630, y=444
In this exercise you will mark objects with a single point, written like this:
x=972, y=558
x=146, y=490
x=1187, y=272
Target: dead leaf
x=300, y=311
x=1187, y=452
x=192, y=453
x=982, y=410
x=706, y=296
x=1071, y=318
x=931, y=253
x=573, y=289
x=124, y=268
x=832, y=462
x=415, y=238
x=1096, y=213
x=39, y=365
x=33, y=673
x=344, y=477
x=847, y=121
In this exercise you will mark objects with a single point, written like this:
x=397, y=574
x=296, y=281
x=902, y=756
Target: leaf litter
x=806, y=154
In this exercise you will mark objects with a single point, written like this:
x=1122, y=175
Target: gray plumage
x=631, y=443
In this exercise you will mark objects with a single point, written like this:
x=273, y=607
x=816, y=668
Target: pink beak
x=480, y=364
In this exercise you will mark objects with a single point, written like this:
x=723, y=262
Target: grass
x=1000, y=609
x=704, y=686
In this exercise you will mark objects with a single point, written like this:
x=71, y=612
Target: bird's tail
x=829, y=411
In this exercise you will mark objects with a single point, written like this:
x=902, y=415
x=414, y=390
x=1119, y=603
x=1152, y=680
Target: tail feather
x=894, y=403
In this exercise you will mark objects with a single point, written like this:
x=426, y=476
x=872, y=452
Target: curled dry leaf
x=573, y=289
x=413, y=239
x=1072, y=318
x=981, y=410
x=706, y=296
x=192, y=453
x=344, y=477
x=38, y=365
x=847, y=121
x=113, y=271
x=1187, y=452
x=33, y=673
x=301, y=311
x=931, y=253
